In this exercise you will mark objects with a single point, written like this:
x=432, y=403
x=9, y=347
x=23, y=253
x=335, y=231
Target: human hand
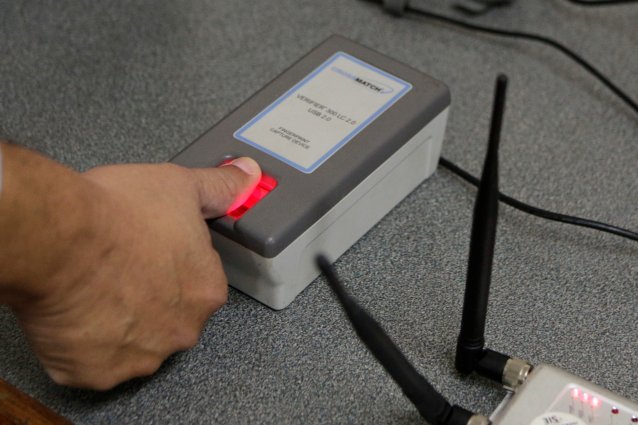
x=143, y=280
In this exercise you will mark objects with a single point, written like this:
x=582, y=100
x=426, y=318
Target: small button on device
x=264, y=187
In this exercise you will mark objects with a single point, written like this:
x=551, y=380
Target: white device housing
x=277, y=281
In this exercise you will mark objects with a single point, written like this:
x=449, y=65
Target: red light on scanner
x=265, y=185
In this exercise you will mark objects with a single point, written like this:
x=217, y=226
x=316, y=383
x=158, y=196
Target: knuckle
x=139, y=368
x=59, y=377
x=191, y=338
x=104, y=383
x=219, y=298
x=215, y=296
x=216, y=263
x=146, y=368
x=215, y=286
x=142, y=366
x=94, y=381
x=188, y=339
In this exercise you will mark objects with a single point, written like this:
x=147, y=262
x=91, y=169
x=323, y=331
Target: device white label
x=323, y=112
x=557, y=418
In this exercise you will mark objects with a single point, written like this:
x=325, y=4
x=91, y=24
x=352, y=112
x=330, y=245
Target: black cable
x=432, y=406
x=604, y=227
x=533, y=37
x=549, y=215
x=616, y=90
x=601, y=2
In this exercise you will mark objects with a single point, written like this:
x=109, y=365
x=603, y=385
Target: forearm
x=47, y=213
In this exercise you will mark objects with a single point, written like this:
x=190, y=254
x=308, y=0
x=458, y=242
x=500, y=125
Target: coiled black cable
x=539, y=212
x=549, y=215
x=533, y=37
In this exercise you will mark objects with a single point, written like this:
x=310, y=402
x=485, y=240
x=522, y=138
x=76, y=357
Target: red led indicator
x=268, y=182
x=615, y=410
x=265, y=185
x=595, y=402
x=585, y=397
x=575, y=393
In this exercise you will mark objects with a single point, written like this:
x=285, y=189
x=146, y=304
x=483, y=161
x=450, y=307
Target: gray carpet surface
x=92, y=83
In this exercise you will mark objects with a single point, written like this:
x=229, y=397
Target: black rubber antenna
x=432, y=406
x=471, y=354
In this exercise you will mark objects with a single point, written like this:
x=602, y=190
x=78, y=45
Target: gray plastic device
x=342, y=136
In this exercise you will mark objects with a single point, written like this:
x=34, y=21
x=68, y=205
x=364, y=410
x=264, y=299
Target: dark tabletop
x=92, y=83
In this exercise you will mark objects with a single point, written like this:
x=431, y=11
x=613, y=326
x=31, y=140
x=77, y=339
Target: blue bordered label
x=323, y=112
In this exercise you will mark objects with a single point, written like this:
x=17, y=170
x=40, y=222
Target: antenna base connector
x=515, y=373
x=468, y=354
